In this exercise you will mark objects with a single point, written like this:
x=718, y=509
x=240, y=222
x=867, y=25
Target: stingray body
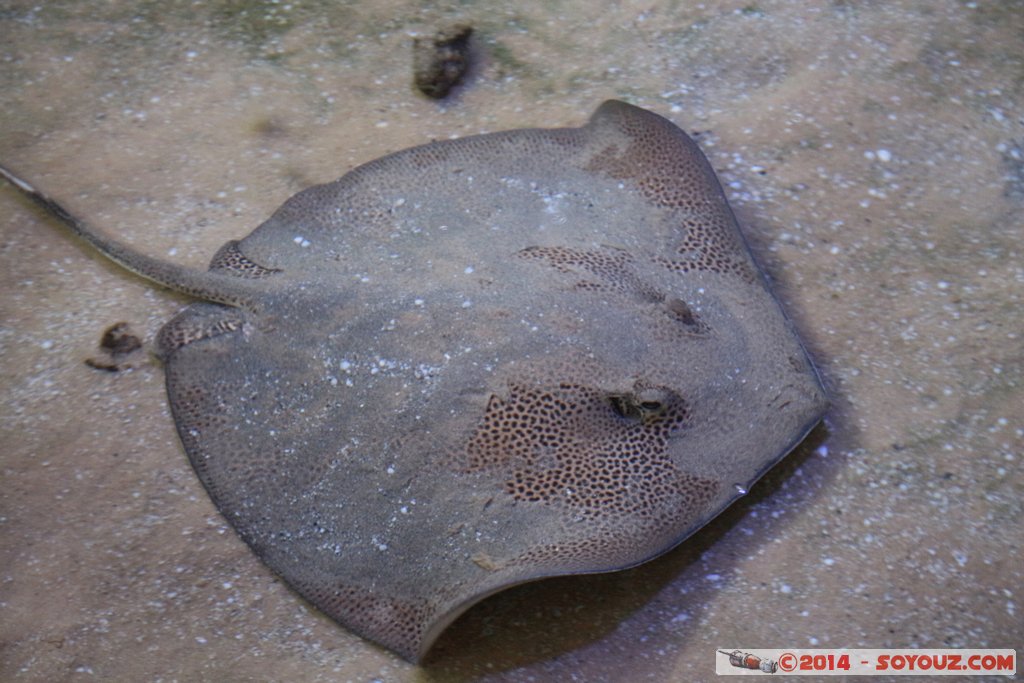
x=481, y=362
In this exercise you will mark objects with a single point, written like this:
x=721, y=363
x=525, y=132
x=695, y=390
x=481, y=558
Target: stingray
x=477, y=363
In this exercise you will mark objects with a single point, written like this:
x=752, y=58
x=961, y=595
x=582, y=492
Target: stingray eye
x=653, y=402
x=643, y=404
x=624, y=406
x=681, y=311
x=653, y=398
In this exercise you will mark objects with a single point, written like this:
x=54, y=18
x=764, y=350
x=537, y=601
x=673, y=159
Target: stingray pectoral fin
x=218, y=287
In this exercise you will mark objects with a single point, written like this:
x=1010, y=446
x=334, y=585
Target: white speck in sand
x=468, y=270
x=301, y=241
x=46, y=344
x=884, y=155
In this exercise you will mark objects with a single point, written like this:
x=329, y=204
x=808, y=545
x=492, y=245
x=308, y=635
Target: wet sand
x=874, y=153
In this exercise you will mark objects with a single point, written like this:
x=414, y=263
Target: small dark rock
x=118, y=346
x=118, y=339
x=441, y=62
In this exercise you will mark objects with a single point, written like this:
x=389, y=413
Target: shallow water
x=874, y=153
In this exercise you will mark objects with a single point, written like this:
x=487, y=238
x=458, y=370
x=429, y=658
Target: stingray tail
x=205, y=285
